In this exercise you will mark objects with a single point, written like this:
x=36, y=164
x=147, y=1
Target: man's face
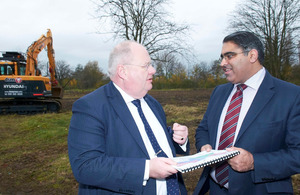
x=235, y=63
x=139, y=73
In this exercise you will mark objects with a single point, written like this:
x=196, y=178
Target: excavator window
x=9, y=70
x=6, y=69
x=2, y=70
x=22, y=70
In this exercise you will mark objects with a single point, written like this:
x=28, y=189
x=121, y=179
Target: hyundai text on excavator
x=23, y=89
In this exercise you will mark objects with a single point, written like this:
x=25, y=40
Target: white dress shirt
x=249, y=93
x=161, y=186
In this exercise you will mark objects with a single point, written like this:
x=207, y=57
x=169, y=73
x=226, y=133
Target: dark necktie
x=172, y=183
x=228, y=131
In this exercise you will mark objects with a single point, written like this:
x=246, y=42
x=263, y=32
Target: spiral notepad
x=202, y=159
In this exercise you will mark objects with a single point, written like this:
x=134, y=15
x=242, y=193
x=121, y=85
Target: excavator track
x=29, y=106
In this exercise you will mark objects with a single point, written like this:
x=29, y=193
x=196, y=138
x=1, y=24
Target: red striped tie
x=228, y=131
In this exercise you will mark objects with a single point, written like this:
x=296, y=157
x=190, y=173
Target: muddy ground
x=176, y=97
x=185, y=98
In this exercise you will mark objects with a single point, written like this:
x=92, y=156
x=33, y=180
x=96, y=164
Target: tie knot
x=241, y=87
x=137, y=103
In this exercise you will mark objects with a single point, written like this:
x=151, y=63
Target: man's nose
x=151, y=70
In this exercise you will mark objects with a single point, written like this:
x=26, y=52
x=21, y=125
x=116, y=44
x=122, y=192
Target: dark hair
x=247, y=41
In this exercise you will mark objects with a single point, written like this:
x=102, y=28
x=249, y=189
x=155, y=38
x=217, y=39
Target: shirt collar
x=255, y=81
x=127, y=98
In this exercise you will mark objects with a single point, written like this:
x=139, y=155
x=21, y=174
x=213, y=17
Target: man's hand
x=242, y=162
x=161, y=167
x=180, y=134
x=206, y=148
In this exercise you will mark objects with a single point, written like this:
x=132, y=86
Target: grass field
x=33, y=149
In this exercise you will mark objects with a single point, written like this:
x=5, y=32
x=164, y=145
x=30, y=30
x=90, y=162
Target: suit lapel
x=124, y=114
x=263, y=96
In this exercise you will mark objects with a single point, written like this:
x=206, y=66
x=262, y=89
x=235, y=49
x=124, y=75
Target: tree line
x=172, y=75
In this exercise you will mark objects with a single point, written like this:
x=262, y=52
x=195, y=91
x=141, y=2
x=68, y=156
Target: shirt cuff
x=146, y=173
x=183, y=146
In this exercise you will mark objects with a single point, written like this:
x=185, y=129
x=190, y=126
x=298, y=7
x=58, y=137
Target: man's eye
x=229, y=56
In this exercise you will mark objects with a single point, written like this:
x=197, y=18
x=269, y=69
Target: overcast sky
x=73, y=28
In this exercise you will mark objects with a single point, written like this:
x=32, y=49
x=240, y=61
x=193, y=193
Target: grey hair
x=121, y=54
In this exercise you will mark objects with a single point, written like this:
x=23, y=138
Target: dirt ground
x=181, y=98
x=176, y=97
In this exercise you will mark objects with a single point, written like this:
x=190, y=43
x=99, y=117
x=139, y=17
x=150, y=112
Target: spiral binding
x=214, y=161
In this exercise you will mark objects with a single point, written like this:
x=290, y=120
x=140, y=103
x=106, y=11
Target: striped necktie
x=228, y=132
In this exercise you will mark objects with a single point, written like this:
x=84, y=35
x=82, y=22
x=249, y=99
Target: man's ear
x=122, y=71
x=253, y=55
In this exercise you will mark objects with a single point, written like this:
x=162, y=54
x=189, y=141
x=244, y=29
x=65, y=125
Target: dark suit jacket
x=270, y=131
x=106, y=151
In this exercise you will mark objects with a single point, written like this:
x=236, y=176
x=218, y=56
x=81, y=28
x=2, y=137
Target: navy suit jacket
x=106, y=151
x=270, y=131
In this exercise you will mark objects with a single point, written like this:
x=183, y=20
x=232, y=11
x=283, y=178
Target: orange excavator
x=23, y=89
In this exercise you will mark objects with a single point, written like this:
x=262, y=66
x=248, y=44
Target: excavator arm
x=32, y=53
x=31, y=64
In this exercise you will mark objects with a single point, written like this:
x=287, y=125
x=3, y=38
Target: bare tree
x=145, y=21
x=89, y=76
x=200, y=71
x=216, y=70
x=63, y=71
x=167, y=64
x=277, y=24
x=43, y=67
x=159, y=70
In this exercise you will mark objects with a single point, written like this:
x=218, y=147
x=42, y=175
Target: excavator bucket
x=57, y=92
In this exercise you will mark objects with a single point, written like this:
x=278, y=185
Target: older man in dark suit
x=118, y=141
